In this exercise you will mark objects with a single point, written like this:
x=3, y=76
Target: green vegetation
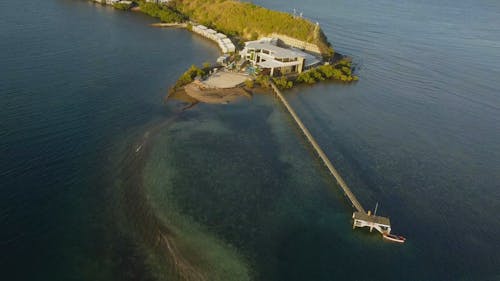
x=339, y=71
x=282, y=83
x=189, y=76
x=164, y=13
x=263, y=80
x=206, y=65
x=242, y=20
x=122, y=6
x=249, y=83
x=248, y=21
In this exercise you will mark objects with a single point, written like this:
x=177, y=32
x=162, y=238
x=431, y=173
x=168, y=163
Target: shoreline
x=164, y=24
x=290, y=70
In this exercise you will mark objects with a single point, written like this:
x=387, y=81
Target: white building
x=267, y=55
x=224, y=43
x=362, y=219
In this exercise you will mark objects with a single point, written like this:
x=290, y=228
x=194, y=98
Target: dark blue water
x=236, y=189
x=420, y=132
x=76, y=80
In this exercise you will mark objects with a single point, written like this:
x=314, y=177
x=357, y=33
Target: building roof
x=220, y=35
x=373, y=219
x=270, y=64
x=275, y=63
x=310, y=60
x=275, y=51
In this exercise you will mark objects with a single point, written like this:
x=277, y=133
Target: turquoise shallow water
x=235, y=188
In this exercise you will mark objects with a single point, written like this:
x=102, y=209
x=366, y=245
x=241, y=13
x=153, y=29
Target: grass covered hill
x=249, y=21
x=164, y=13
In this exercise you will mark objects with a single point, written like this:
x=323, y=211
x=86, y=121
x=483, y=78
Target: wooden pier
x=360, y=217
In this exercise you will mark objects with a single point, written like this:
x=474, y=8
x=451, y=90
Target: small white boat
x=394, y=238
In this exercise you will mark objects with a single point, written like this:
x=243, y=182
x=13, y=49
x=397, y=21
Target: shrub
x=122, y=6
x=263, y=80
x=318, y=76
x=326, y=70
x=249, y=83
x=340, y=71
x=283, y=83
x=306, y=77
x=164, y=13
x=346, y=70
x=188, y=76
x=206, y=66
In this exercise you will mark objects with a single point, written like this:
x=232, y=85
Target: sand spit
x=201, y=92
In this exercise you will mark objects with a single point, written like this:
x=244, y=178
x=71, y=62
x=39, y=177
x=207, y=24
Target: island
x=259, y=47
x=271, y=49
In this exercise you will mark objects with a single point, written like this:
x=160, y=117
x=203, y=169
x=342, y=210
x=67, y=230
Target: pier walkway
x=354, y=201
x=360, y=217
